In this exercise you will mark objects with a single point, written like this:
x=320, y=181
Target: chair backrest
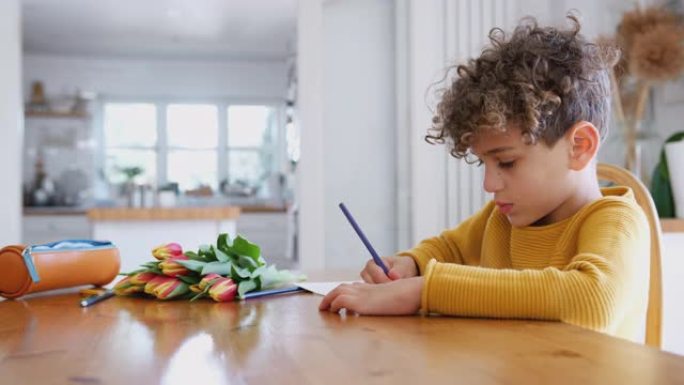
x=622, y=177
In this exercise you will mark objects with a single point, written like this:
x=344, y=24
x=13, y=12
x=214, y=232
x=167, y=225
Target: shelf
x=672, y=225
x=56, y=114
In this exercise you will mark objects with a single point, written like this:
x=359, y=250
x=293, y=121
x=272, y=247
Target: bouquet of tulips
x=224, y=271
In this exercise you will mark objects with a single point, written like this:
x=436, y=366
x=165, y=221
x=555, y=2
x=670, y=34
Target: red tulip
x=223, y=290
x=208, y=280
x=151, y=286
x=171, y=268
x=126, y=287
x=168, y=250
x=142, y=278
x=171, y=288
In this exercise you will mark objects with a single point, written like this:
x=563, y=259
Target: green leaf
x=242, y=246
x=272, y=277
x=247, y=262
x=192, y=265
x=220, y=268
x=190, y=280
x=198, y=296
x=187, y=295
x=194, y=256
x=207, y=253
x=258, y=271
x=153, y=264
x=238, y=274
x=246, y=286
x=134, y=272
x=221, y=256
x=223, y=241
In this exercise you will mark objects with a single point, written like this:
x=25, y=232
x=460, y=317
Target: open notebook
x=321, y=288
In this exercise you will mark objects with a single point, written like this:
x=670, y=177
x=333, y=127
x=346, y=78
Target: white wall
x=11, y=122
x=346, y=107
x=310, y=193
x=155, y=78
x=359, y=128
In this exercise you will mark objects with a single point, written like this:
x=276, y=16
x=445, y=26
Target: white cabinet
x=272, y=232
x=135, y=239
x=37, y=229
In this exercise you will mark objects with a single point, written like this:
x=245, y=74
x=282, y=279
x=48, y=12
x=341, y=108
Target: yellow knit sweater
x=590, y=269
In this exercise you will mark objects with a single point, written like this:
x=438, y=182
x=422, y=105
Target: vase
x=675, y=163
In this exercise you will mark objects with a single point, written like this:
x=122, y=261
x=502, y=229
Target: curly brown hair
x=541, y=79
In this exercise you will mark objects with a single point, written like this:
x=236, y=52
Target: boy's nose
x=492, y=181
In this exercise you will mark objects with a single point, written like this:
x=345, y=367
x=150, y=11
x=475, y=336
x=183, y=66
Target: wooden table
x=286, y=340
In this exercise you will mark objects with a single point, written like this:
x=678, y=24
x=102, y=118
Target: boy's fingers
x=393, y=275
x=366, y=277
x=325, y=302
x=341, y=302
x=377, y=275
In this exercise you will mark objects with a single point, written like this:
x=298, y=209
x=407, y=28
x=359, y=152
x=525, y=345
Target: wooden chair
x=622, y=177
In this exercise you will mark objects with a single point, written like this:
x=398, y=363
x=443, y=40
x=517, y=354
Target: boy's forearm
x=587, y=297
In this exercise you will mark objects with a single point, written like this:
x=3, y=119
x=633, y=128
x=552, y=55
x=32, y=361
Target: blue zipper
x=64, y=245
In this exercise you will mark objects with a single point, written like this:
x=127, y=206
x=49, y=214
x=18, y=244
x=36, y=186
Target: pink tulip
x=223, y=290
x=130, y=290
x=142, y=278
x=208, y=280
x=171, y=268
x=168, y=250
x=171, y=288
x=126, y=287
x=151, y=286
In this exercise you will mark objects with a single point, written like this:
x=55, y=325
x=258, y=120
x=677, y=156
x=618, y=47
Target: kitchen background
x=333, y=97
x=161, y=103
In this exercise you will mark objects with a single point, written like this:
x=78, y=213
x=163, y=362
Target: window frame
x=278, y=147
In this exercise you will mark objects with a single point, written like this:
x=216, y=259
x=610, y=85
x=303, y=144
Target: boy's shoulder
x=616, y=197
x=618, y=205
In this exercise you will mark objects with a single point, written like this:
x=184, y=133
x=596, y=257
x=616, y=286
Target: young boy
x=533, y=109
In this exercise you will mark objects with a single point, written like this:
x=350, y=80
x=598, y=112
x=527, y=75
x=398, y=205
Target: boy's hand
x=392, y=298
x=399, y=267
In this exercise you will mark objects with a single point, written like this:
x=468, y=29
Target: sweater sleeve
x=460, y=245
x=590, y=291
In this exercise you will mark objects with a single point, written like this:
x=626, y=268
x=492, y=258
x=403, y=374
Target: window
x=250, y=143
x=192, y=137
x=130, y=132
x=192, y=144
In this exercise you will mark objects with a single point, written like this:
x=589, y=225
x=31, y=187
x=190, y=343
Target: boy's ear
x=584, y=143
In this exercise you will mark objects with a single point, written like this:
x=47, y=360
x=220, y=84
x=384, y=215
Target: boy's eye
x=506, y=164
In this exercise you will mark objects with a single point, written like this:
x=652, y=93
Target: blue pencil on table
x=263, y=293
x=365, y=241
x=93, y=299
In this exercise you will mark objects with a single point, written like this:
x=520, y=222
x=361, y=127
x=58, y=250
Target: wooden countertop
x=286, y=339
x=672, y=225
x=163, y=213
x=66, y=210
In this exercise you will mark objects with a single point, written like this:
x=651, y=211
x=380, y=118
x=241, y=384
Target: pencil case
x=57, y=265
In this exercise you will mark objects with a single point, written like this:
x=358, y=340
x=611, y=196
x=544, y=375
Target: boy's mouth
x=504, y=208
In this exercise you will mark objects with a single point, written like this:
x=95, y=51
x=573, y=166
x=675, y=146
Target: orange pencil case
x=57, y=265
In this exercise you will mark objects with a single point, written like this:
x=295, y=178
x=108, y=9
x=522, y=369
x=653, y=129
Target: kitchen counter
x=83, y=210
x=163, y=213
x=55, y=210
